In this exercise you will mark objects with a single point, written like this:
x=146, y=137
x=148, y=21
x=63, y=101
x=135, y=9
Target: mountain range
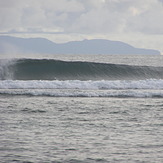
x=9, y=44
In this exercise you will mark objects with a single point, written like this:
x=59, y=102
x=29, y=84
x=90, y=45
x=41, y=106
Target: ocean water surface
x=84, y=109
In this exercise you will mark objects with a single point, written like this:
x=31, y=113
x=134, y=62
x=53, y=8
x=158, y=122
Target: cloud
x=81, y=16
x=160, y=1
x=147, y=19
x=49, y=14
x=123, y=16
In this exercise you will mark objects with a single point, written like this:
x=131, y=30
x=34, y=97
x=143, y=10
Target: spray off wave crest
x=44, y=69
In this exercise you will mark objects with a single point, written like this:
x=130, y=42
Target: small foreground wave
x=148, y=88
x=83, y=85
x=84, y=93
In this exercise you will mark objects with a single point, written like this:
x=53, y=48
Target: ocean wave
x=44, y=69
x=148, y=88
x=155, y=84
x=84, y=93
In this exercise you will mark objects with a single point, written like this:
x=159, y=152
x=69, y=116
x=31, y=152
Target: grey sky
x=138, y=22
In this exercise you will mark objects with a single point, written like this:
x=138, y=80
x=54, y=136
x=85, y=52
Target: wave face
x=37, y=69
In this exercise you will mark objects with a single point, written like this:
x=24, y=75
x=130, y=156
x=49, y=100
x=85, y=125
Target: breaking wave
x=148, y=88
x=84, y=93
x=36, y=77
x=37, y=69
x=156, y=84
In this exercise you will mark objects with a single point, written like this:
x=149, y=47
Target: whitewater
x=80, y=78
x=81, y=108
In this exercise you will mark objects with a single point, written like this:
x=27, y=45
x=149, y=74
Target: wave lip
x=44, y=69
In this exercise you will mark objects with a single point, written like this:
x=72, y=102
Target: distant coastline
x=10, y=44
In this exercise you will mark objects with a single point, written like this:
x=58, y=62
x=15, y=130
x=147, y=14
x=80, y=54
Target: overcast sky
x=137, y=22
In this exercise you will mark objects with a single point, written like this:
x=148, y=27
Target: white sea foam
x=84, y=93
x=5, y=72
x=86, y=85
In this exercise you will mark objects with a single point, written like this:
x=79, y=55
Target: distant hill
x=11, y=45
